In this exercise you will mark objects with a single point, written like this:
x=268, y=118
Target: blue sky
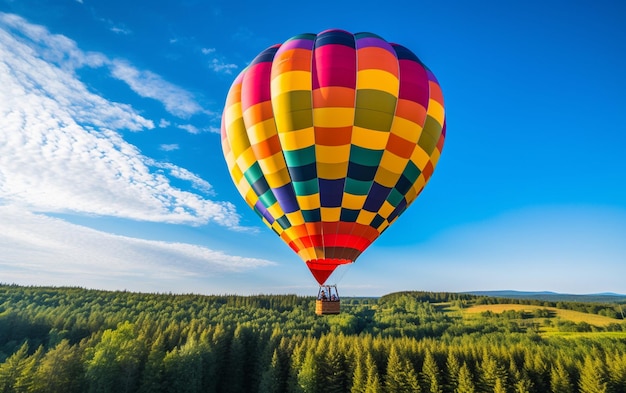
x=112, y=177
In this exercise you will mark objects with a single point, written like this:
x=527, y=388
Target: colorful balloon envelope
x=329, y=137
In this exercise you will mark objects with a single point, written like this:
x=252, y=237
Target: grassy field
x=569, y=315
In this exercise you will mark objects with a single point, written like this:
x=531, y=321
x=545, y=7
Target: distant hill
x=605, y=297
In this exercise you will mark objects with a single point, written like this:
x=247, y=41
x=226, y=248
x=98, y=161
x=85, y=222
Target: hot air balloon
x=329, y=137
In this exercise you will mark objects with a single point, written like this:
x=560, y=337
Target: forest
x=79, y=340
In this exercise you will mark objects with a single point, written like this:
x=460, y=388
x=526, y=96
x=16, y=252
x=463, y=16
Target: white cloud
x=39, y=250
x=183, y=174
x=218, y=65
x=60, y=149
x=177, y=101
x=120, y=30
x=169, y=146
x=189, y=128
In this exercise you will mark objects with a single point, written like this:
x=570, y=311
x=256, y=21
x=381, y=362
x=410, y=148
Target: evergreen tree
x=400, y=376
x=560, y=381
x=465, y=381
x=308, y=376
x=452, y=372
x=152, y=375
x=431, y=374
x=592, y=377
x=114, y=366
x=234, y=374
x=359, y=376
x=60, y=370
x=537, y=370
x=182, y=369
x=490, y=372
x=25, y=381
x=221, y=341
x=373, y=378
x=12, y=368
x=334, y=372
x=616, y=370
x=498, y=386
x=522, y=383
x=272, y=379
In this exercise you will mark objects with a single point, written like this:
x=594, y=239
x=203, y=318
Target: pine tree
x=616, y=367
x=498, y=386
x=431, y=374
x=373, y=378
x=452, y=372
x=334, y=370
x=182, y=369
x=491, y=371
x=308, y=380
x=114, y=366
x=235, y=373
x=592, y=377
x=11, y=369
x=152, y=375
x=359, y=376
x=271, y=380
x=522, y=383
x=400, y=377
x=560, y=381
x=60, y=370
x=25, y=382
x=466, y=381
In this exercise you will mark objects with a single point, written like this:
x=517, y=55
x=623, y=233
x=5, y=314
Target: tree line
x=76, y=340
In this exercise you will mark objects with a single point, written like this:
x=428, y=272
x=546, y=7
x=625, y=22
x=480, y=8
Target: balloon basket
x=327, y=302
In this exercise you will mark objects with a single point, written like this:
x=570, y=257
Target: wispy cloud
x=217, y=63
x=60, y=146
x=177, y=101
x=169, y=146
x=40, y=250
x=183, y=174
x=220, y=66
x=190, y=128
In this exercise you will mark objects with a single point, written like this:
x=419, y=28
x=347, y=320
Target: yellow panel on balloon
x=279, y=178
x=293, y=80
x=369, y=139
x=332, y=171
x=420, y=158
x=406, y=129
x=354, y=202
x=295, y=218
x=365, y=217
x=309, y=202
x=296, y=140
x=261, y=131
x=386, y=209
x=333, y=117
x=386, y=178
x=435, y=110
x=378, y=80
x=392, y=162
x=232, y=114
x=273, y=163
x=330, y=214
x=332, y=154
x=246, y=159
